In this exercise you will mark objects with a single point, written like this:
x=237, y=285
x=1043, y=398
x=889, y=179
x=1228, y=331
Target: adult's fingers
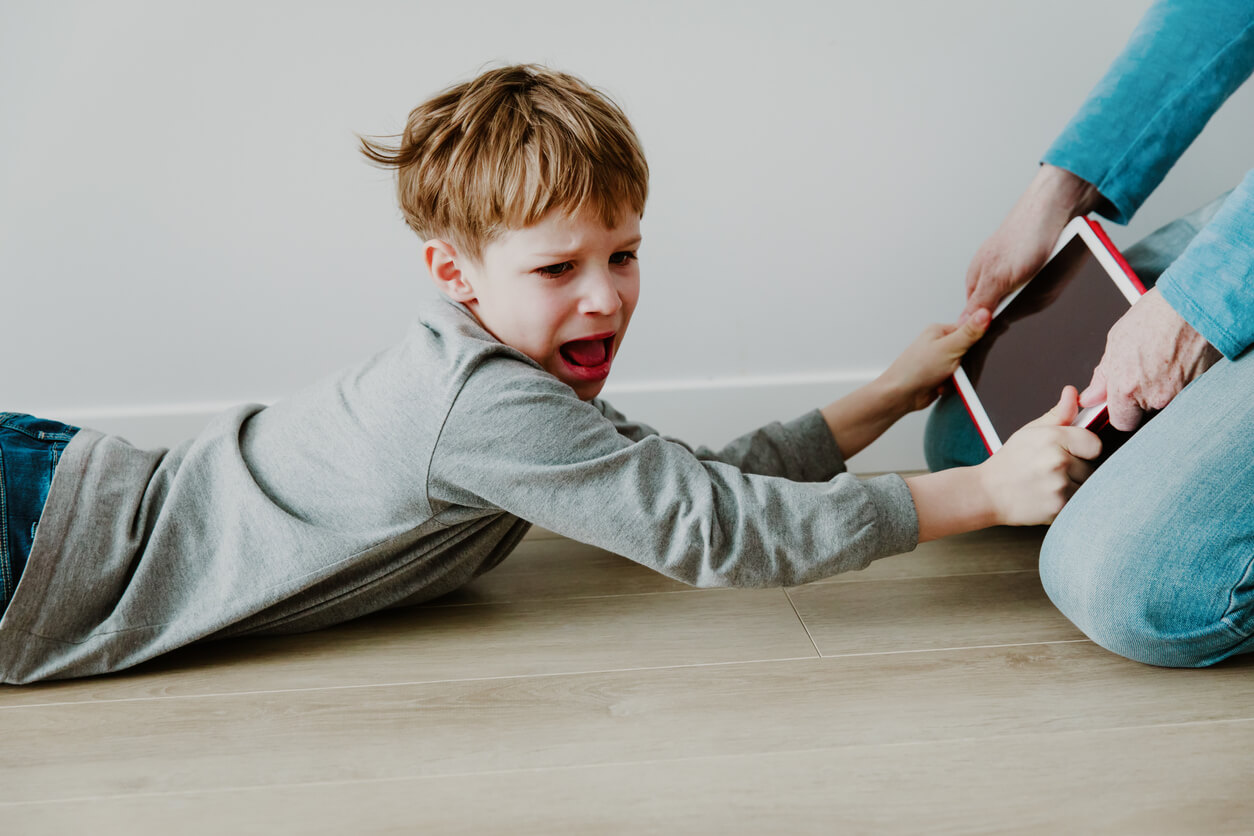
x=981, y=280
x=976, y=269
x=1125, y=413
x=982, y=295
x=1095, y=392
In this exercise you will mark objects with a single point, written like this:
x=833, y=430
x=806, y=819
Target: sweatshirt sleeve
x=1211, y=284
x=802, y=449
x=1183, y=61
x=519, y=441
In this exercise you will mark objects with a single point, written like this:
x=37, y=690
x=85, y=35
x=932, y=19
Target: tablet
x=1049, y=333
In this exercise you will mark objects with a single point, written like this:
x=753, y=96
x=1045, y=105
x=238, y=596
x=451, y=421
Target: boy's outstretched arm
x=516, y=440
x=1025, y=483
x=912, y=382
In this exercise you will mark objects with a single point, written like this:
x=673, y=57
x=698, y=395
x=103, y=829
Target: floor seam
x=536, y=675
x=958, y=647
x=431, y=605
x=802, y=622
x=837, y=581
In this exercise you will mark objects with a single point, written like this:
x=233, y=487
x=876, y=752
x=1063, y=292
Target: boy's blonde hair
x=503, y=150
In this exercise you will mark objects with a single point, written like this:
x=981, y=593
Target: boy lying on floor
x=403, y=478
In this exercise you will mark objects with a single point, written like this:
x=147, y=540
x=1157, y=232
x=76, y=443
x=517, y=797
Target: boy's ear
x=444, y=264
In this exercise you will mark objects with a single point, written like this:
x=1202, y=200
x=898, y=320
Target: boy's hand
x=918, y=375
x=1032, y=476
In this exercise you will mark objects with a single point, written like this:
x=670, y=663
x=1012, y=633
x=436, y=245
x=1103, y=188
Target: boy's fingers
x=1061, y=413
x=1079, y=470
x=1081, y=443
x=969, y=330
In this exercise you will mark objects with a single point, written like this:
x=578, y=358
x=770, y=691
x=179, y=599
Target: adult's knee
x=1152, y=558
x=950, y=438
x=1134, y=594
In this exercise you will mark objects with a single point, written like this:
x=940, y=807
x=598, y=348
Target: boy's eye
x=623, y=257
x=555, y=269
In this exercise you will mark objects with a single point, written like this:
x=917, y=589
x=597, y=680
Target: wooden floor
x=571, y=691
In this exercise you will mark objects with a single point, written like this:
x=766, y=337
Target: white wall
x=185, y=223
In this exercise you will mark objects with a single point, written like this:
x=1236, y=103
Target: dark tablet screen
x=1051, y=334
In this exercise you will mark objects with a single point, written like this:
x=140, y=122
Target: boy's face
x=562, y=292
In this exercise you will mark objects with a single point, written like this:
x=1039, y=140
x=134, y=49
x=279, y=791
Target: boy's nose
x=600, y=295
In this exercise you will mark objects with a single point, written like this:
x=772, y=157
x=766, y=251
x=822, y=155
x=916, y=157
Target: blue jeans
x=29, y=451
x=1153, y=558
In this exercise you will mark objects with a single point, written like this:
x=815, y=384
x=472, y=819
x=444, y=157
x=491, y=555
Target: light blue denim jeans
x=1153, y=558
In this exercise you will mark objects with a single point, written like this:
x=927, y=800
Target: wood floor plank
x=545, y=568
x=530, y=707
x=926, y=613
x=552, y=568
x=424, y=644
x=1120, y=781
x=1003, y=549
x=538, y=533
x=161, y=745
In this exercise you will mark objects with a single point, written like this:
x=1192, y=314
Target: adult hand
x=1151, y=354
x=1023, y=242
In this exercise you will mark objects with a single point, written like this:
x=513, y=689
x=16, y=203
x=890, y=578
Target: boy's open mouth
x=588, y=358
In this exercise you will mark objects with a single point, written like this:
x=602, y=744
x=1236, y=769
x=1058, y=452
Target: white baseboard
x=713, y=412
x=147, y=426
x=710, y=412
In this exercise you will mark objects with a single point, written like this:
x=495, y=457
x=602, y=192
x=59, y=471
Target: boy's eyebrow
x=563, y=255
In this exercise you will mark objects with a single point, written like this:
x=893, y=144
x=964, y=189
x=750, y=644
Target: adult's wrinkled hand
x=1151, y=354
x=1023, y=242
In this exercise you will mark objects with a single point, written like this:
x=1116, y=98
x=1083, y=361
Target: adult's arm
x=1183, y=61
x=1211, y=284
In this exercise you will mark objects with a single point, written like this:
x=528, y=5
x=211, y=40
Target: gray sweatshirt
x=399, y=481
